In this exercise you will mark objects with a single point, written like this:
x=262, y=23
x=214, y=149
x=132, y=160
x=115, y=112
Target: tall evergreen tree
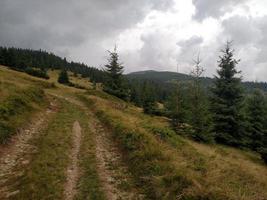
x=256, y=114
x=115, y=83
x=177, y=106
x=200, y=116
x=148, y=99
x=227, y=101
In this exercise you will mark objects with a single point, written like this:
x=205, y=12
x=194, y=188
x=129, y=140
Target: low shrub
x=37, y=72
x=5, y=131
x=263, y=153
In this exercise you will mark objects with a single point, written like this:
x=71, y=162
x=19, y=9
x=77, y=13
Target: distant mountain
x=169, y=77
x=164, y=76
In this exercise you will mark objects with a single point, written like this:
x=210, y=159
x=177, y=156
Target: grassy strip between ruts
x=45, y=176
x=89, y=183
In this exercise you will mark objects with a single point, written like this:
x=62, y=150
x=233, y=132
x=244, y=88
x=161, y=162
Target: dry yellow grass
x=78, y=80
x=12, y=81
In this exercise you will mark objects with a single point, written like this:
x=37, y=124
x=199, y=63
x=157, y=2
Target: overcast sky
x=150, y=34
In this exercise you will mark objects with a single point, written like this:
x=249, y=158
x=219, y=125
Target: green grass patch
x=16, y=109
x=89, y=184
x=44, y=178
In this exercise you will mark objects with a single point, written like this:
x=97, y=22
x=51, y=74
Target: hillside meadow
x=164, y=165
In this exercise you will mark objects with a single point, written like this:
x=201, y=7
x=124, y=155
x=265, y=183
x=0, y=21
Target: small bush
x=63, y=77
x=263, y=152
x=5, y=131
x=37, y=72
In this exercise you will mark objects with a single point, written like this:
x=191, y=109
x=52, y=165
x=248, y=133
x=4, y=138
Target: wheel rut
x=116, y=180
x=15, y=153
x=115, y=177
x=73, y=169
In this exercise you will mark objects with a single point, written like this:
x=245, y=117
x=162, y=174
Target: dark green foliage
x=115, y=83
x=161, y=91
x=263, y=152
x=63, y=77
x=227, y=101
x=20, y=59
x=199, y=114
x=177, y=105
x=164, y=82
x=37, y=72
x=200, y=117
x=256, y=114
x=5, y=132
x=148, y=100
x=257, y=126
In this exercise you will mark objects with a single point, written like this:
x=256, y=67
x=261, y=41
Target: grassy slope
x=44, y=177
x=20, y=96
x=164, y=164
x=167, y=165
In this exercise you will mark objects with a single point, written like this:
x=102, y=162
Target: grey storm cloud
x=56, y=24
x=189, y=49
x=82, y=30
x=242, y=30
x=214, y=8
x=191, y=42
x=249, y=38
x=247, y=31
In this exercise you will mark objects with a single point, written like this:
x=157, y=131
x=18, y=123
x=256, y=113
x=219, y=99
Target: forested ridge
x=27, y=59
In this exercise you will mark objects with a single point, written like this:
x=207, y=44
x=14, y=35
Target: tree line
x=37, y=62
x=223, y=114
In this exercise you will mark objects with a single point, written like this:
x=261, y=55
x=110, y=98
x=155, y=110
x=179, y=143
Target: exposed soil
x=116, y=180
x=15, y=152
x=73, y=169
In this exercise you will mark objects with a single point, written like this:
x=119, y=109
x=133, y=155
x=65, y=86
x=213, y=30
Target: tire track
x=15, y=153
x=73, y=169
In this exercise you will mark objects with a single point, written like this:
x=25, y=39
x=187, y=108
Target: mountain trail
x=73, y=169
x=117, y=182
x=16, y=152
x=115, y=177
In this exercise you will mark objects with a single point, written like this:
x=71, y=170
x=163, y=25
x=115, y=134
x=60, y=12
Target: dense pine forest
x=223, y=110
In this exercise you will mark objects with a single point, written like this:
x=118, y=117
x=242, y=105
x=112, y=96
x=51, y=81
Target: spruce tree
x=177, y=106
x=200, y=116
x=115, y=83
x=227, y=101
x=148, y=99
x=256, y=114
x=63, y=77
